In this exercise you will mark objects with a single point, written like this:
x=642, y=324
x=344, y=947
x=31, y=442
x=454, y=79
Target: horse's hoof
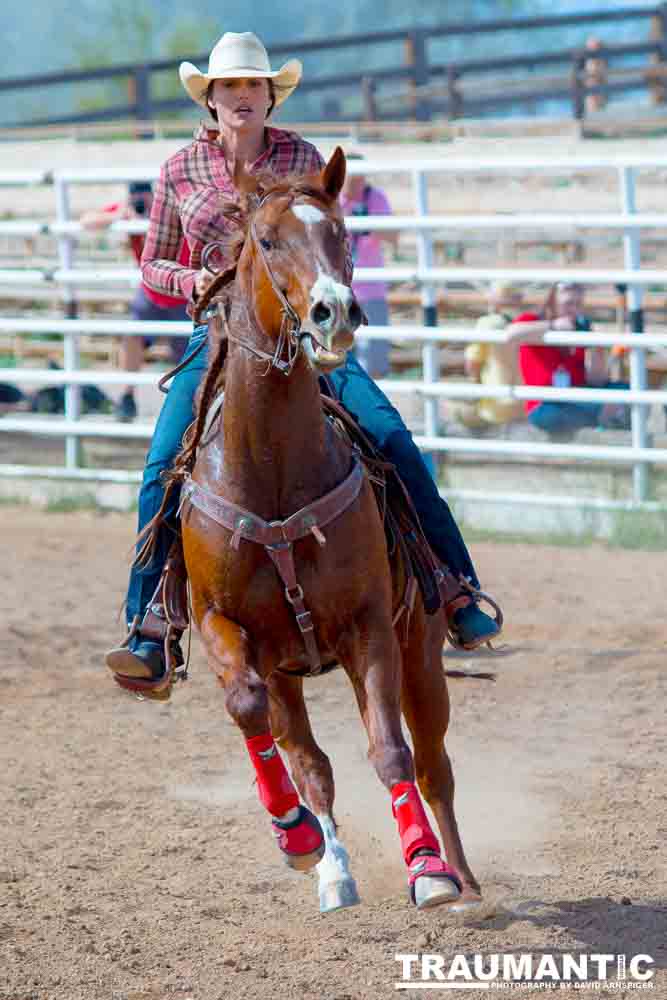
x=430, y=891
x=338, y=895
x=468, y=902
x=432, y=882
x=301, y=841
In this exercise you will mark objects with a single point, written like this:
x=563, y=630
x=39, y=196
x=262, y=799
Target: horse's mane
x=240, y=214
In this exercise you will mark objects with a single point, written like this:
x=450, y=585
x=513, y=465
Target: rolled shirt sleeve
x=160, y=269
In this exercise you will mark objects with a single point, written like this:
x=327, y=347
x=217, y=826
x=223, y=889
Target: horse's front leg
x=297, y=831
x=376, y=675
x=311, y=770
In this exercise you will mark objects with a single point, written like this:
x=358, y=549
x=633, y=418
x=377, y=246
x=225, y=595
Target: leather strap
x=244, y=524
x=278, y=537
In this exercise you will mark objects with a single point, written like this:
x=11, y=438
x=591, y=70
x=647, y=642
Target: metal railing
x=67, y=278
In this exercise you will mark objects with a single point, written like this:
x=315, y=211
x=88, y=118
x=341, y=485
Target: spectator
x=567, y=366
x=11, y=398
x=494, y=363
x=147, y=304
x=360, y=198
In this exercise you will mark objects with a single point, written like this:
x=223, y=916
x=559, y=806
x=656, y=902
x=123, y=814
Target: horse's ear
x=333, y=175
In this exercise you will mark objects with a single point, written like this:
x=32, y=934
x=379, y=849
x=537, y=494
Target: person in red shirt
x=147, y=303
x=564, y=367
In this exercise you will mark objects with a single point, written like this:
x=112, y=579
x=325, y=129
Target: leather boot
x=150, y=658
x=467, y=625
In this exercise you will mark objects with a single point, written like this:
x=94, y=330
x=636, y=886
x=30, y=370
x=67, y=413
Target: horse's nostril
x=321, y=313
x=355, y=315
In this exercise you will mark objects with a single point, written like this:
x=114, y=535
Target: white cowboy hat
x=239, y=56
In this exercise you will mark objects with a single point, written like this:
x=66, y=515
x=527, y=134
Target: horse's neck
x=279, y=452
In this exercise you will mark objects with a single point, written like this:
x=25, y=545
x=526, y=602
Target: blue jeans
x=367, y=404
x=562, y=418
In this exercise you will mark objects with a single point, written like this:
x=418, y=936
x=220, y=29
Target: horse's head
x=293, y=261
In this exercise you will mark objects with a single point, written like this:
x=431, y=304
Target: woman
x=564, y=367
x=239, y=92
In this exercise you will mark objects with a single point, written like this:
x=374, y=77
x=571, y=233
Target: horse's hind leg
x=297, y=831
x=426, y=710
x=311, y=770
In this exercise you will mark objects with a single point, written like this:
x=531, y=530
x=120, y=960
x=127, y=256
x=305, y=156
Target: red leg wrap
x=276, y=791
x=413, y=825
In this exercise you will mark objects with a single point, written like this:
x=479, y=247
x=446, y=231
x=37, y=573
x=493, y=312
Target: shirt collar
x=275, y=137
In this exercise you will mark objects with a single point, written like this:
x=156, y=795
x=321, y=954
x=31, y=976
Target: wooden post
x=454, y=94
x=368, y=99
x=141, y=88
x=416, y=58
x=658, y=33
x=578, y=86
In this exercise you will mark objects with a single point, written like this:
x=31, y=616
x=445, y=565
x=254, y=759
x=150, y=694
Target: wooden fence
x=420, y=88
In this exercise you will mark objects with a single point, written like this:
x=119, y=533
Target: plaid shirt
x=187, y=203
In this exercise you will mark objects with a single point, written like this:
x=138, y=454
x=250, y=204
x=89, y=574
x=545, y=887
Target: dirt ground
x=137, y=864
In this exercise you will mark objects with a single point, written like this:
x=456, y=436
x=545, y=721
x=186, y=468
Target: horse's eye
x=266, y=244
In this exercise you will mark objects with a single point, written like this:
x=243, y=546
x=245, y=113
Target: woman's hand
x=563, y=323
x=202, y=281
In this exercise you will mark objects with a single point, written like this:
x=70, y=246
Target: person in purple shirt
x=360, y=198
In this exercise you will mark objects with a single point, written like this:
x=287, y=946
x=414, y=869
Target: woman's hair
x=550, y=310
x=272, y=94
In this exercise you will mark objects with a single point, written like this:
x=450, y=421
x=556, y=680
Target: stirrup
x=477, y=596
x=157, y=688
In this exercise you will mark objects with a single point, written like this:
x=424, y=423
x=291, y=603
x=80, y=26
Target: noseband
x=291, y=334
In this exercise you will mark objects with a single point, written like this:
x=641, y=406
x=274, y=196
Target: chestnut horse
x=286, y=552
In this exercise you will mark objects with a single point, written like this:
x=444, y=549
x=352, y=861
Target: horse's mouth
x=321, y=356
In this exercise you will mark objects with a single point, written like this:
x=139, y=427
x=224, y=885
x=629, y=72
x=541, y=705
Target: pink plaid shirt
x=187, y=202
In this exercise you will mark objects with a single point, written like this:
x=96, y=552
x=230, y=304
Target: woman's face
x=569, y=301
x=242, y=105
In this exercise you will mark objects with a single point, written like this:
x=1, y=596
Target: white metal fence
x=67, y=277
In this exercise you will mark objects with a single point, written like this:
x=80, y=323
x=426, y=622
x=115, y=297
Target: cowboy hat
x=239, y=56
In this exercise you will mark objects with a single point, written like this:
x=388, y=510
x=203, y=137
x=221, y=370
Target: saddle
x=403, y=530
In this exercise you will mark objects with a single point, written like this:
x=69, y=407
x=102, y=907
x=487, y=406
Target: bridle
x=292, y=334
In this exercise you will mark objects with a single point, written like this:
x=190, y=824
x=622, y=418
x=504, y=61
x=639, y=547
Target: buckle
x=304, y=621
x=296, y=595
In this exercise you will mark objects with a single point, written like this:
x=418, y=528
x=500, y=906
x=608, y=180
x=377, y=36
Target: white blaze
x=326, y=289
x=308, y=213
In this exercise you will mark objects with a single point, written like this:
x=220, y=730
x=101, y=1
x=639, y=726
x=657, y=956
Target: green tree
x=125, y=32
